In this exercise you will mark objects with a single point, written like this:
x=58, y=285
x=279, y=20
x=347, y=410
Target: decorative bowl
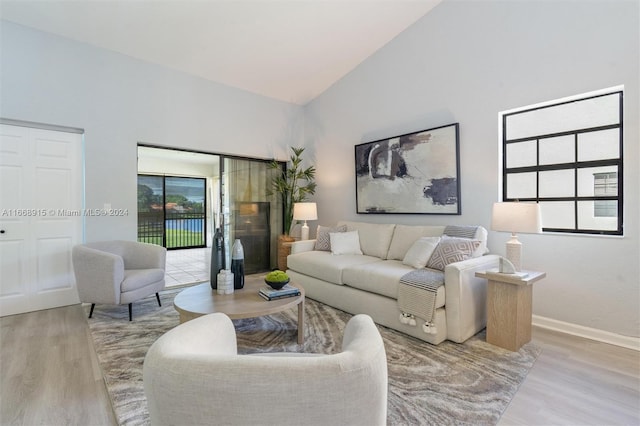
x=276, y=285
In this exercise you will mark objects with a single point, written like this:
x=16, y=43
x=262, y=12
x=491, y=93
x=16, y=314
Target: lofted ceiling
x=291, y=50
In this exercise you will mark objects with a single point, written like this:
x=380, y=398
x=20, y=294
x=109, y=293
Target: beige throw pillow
x=345, y=242
x=420, y=252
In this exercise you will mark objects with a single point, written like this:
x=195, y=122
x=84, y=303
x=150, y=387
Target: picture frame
x=414, y=173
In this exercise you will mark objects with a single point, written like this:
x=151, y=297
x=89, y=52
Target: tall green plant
x=293, y=184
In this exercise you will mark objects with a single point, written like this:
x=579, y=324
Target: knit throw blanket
x=460, y=231
x=417, y=297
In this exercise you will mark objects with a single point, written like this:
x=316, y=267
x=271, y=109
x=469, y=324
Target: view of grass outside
x=177, y=238
x=173, y=207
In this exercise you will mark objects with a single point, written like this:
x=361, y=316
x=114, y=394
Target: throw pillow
x=450, y=250
x=420, y=252
x=345, y=242
x=472, y=232
x=323, y=243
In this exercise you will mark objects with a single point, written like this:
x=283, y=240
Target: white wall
x=464, y=62
x=120, y=101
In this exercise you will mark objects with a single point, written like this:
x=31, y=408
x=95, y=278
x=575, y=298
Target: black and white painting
x=412, y=173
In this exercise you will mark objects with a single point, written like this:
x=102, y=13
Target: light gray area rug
x=449, y=384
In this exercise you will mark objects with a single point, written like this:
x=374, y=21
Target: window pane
x=600, y=145
x=185, y=212
x=557, y=150
x=598, y=181
x=557, y=183
x=521, y=154
x=587, y=218
x=521, y=185
x=605, y=208
x=581, y=114
x=558, y=214
x=150, y=209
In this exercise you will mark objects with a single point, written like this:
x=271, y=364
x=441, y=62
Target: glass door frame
x=229, y=207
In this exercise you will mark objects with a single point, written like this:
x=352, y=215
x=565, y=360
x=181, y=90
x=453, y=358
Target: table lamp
x=305, y=211
x=516, y=217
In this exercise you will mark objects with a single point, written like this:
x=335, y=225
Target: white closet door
x=40, y=217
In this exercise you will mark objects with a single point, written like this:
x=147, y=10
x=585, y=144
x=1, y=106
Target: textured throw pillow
x=473, y=232
x=345, y=242
x=420, y=252
x=450, y=250
x=323, y=243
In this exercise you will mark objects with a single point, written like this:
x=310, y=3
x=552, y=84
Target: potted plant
x=293, y=185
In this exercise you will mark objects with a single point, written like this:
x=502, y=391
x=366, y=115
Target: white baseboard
x=587, y=333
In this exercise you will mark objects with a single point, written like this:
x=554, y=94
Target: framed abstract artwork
x=415, y=173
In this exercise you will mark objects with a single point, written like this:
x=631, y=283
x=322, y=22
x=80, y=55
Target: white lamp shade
x=305, y=211
x=516, y=217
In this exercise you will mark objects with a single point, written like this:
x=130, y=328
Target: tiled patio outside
x=187, y=266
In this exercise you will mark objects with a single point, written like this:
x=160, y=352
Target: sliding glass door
x=183, y=196
x=172, y=211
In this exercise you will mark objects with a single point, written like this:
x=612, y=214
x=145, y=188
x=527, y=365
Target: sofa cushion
x=450, y=250
x=382, y=278
x=322, y=236
x=345, y=243
x=374, y=237
x=420, y=252
x=324, y=265
x=404, y=236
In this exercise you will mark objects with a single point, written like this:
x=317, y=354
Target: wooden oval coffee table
x=245, y=303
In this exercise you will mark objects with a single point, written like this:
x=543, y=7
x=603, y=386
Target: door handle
x=2, y=231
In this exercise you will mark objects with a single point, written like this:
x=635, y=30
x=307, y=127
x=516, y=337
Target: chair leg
x=158, y=297
x=93, y=305
x=130, y=311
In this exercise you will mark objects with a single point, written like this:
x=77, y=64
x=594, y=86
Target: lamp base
x=514, y=252
x=304, y=231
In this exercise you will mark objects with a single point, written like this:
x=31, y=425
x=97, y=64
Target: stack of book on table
x=272, y=294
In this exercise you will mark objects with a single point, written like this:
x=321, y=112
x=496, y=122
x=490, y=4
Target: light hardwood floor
x=49, y=373
x=50, y=376
x=578, y=381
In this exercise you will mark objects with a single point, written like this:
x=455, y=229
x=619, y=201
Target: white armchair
x=118, y=272
x=193, y=375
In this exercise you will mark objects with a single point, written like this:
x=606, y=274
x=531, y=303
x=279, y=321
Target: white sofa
x=368, y=283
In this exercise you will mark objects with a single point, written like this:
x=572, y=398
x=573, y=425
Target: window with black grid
x=567, y=156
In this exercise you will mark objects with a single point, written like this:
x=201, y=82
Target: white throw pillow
x=322, y=236
x=374, y=237
x=345, y=242
x=419, y=253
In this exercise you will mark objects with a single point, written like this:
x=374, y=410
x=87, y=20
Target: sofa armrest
x=466, y=296
x=302, y=246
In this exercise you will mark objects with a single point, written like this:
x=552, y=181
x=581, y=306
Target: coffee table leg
x=301, y=322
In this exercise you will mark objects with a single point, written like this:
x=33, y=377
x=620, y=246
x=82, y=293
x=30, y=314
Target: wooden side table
x=284, y=250
x=509, y=298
